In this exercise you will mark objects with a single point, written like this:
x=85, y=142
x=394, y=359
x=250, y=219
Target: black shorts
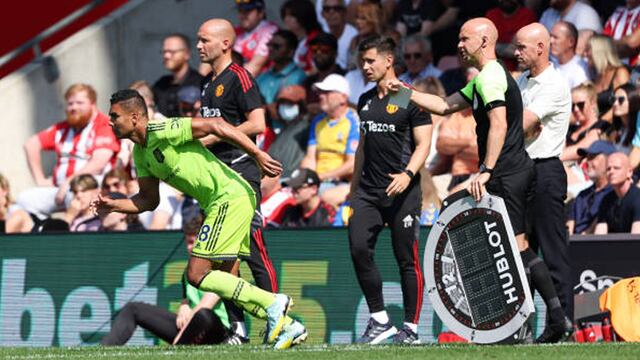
x=515, y=189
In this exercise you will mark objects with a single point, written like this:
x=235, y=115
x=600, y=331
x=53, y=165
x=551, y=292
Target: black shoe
x=376, y=332
x=554, y=333
x=406, y=336
x=235, y=339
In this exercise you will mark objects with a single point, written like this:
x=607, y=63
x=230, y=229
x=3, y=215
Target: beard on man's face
x=77, y=118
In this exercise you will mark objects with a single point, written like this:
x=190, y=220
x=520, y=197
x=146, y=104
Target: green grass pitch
x=349, y=352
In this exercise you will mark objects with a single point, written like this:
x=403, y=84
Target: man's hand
x=476, y=186
x=394, y=85
x=103, y=205
x=398, y=184
x=184, y=316
x=268, y=165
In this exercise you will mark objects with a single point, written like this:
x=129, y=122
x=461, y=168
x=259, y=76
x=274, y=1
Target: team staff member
x=231, y=93
x=394, y=145
x=506, y=169
x=547, y=107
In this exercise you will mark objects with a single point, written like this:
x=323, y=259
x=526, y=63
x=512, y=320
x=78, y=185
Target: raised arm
x=433, y=103
x=202, y=127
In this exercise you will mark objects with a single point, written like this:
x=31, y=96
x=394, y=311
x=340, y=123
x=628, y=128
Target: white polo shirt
x=550, y=100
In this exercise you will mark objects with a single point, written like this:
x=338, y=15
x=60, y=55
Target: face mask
x=288, y=112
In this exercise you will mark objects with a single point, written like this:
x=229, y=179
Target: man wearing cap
x=584, y=211
x=176, y=52
x=309, y=210
x=253, y=35
x=620, y=209
x=386, y=189
x=333, y=139
x=284, y=71
x=189, y=101
x=324, y=49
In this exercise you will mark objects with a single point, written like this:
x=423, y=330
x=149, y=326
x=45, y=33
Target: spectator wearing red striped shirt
x=623, y=23
x=83, y=143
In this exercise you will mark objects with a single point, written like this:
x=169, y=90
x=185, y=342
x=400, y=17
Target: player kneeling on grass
x=167, y=150
x=197, y=320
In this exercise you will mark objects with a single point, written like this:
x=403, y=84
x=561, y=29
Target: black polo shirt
x=231, y=95
x=387, y=131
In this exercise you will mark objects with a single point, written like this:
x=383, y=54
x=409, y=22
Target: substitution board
x=473, y=271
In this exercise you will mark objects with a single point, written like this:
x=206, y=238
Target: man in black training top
x=506, y=169
x=394, y=144
x=231, y=92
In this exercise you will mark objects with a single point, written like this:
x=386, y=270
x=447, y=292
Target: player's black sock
x=541, y=280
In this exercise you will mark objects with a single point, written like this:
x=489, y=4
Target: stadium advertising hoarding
x=62, y=290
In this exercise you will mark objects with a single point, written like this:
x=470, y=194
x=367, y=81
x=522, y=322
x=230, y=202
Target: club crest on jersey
x=219, y=90
x=391, y=109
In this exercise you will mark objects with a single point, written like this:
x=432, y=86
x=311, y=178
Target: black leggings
x=204, y=327
x=371, y=210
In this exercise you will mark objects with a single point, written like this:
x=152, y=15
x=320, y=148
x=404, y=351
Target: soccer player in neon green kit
x=168, y=150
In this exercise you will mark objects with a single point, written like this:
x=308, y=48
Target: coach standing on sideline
x=230, y=92
x=547, y=107
x=394, y=144
x=506, y=169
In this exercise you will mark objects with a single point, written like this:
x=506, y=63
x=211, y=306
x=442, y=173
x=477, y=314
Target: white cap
x=334, y=82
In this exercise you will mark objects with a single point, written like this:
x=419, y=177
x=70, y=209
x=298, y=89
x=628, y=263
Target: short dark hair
x=304, y=11
x=185, y=39
x=130, y=100
x=572, y=31
x=289, y=38
x=383, y=44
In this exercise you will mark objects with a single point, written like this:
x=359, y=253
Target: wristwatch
x=484, y=169
x=410, y=173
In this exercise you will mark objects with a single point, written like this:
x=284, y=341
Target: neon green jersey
x=173, y=156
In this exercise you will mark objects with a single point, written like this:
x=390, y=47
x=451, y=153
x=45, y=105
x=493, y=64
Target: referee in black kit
x=506, y=169
x=231, y=93
x=394, y=144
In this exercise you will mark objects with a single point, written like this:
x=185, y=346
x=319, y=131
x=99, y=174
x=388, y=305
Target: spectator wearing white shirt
x=334, y=14
x=547, y=107
x=564, y=38
x=419, y=60
x=583, y=16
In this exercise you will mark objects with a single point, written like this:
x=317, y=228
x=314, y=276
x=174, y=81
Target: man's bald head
x=532, y=47
x=220, y=28
x=483, y=27
x=477, y=41
x=619, y=169
x=215, y=41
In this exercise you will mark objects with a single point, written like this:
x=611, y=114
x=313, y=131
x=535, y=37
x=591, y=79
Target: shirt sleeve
x=354, y=133
x=467, y=91
x=550, y=101
x=636, y=206
x=176, y=131
x=47, y=137
x=105, y=138
x=491, y=85
x=140, y=162
x=248, y=98
x=588, y=20
x=312, y=130
x=419, y=117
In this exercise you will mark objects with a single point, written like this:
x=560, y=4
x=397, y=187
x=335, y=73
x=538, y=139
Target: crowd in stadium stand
x=310, y=80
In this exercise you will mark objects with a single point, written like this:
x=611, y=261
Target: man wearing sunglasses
x=334, y=14
x=418, y=58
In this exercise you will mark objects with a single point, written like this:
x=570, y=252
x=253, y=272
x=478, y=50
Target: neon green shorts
x=225, y=233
